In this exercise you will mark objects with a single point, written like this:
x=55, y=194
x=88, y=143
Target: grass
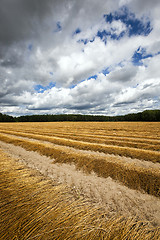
x=129, y=174
x=33, y=208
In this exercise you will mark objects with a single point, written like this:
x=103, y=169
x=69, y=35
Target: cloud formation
x=84, y=56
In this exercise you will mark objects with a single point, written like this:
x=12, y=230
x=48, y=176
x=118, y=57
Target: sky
x=79, y=56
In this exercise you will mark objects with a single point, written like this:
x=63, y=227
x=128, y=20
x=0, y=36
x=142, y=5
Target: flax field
x=80, y=180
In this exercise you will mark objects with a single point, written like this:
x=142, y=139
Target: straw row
x=123, y=142
x=133, y=176
x=141, y=154
x=33, y=208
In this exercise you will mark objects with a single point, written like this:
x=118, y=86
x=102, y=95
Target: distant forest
x=145, y=116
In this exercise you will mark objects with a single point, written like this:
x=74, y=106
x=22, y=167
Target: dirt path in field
x=106, y=192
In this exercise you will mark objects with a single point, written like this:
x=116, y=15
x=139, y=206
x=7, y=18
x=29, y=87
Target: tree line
x=145, y=116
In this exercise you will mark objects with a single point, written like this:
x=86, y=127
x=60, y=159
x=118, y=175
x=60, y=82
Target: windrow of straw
x=86, y=133
x=123, y=142
x=33, y=208
x=109, y=140
x=141, y=130
x=93, y=136
x=141, y=154
x=133, y=176
x=145, y=133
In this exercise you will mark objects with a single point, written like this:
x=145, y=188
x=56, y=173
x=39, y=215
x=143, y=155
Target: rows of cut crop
x=130, y=174
x=86, y=135
x=94, y=135
x=109, y=140
x=40, y=138
x=65, y=143
x=32, y=208
x=48, y=129
x=123, y=142
x=143, y=133
x=143, y=130
x=138, y=153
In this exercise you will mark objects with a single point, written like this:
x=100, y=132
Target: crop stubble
x=33, y=208
x=78, y=143
x=130, y=174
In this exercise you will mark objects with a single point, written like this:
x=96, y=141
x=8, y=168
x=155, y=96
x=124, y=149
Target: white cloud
x=72, y=61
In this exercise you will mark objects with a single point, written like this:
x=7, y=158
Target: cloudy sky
x=79, y=56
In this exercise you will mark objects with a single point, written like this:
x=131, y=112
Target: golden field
x=127, y=152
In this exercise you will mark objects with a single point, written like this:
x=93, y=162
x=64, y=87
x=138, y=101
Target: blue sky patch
x=92, y=77
x=138, y=55
x=135, y=26
x=103, y=35
x=106, y=71
x=158, y=53
x=74, y=85
x=40, y=88
x=85, y=41
x=77, y=31
x=30, y=47
x=136, y=85
x=58, y=27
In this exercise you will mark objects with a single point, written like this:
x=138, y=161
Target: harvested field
x=123, y=155
x=33, y=208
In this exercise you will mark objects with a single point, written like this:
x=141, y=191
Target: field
x=72, y=180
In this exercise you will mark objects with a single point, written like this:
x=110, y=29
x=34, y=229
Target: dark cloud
x=9, y=101
x=86, y=106
x=124, y=103
x=12, y=59
x=40, y=108
x=123, y=74
x=20, y=19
